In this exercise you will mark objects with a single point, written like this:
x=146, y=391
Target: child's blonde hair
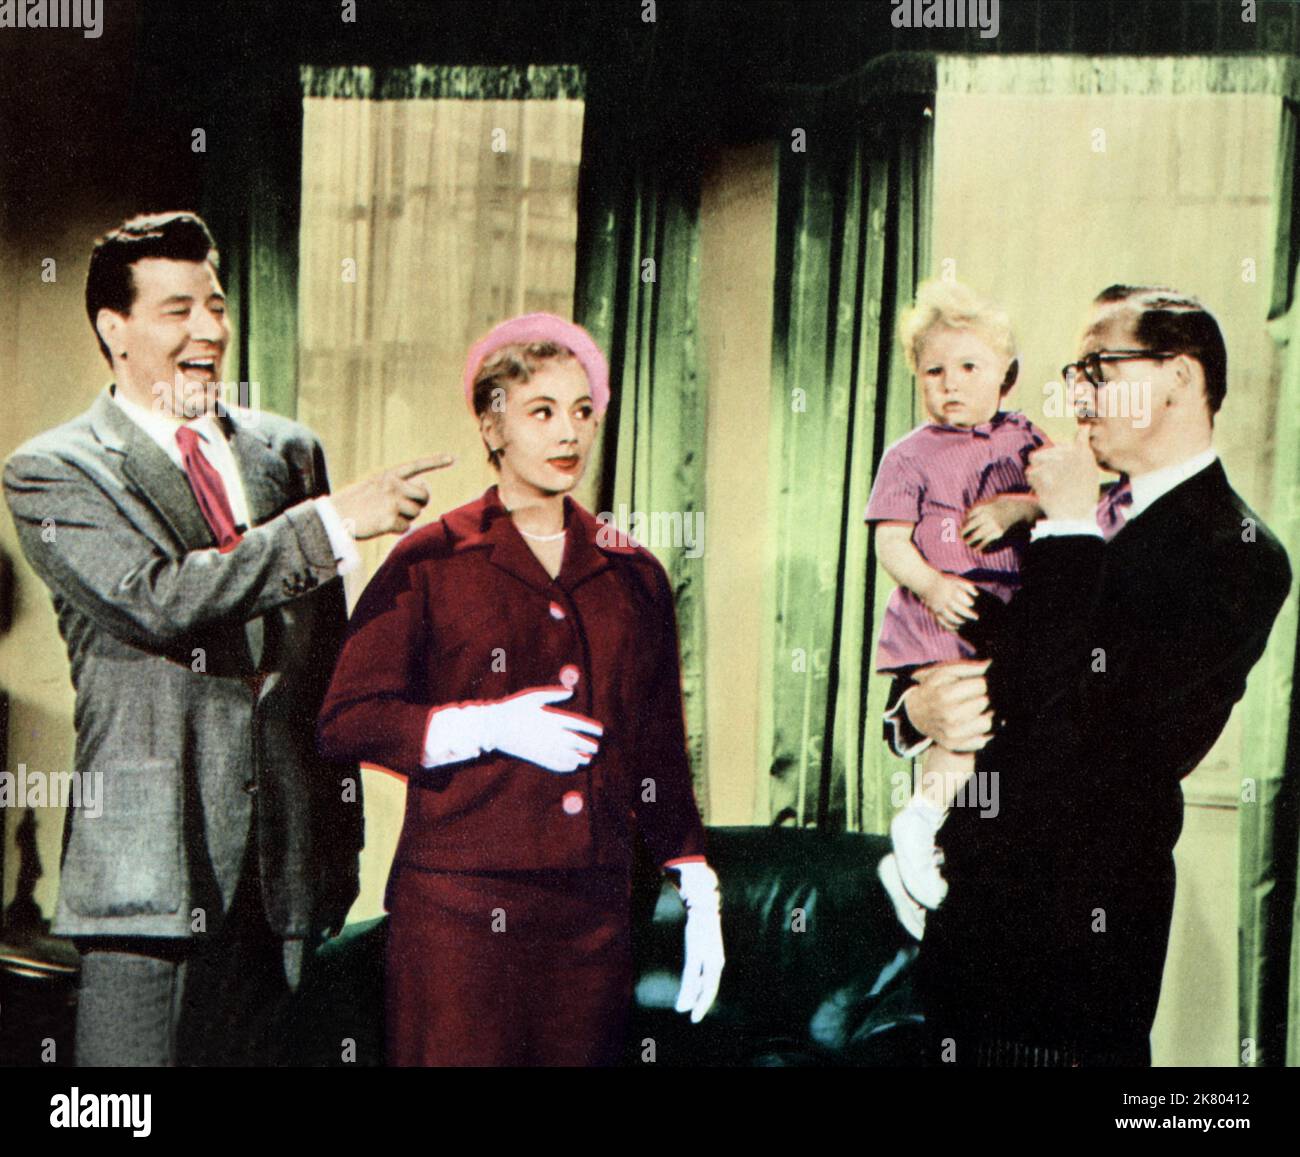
x=956, y=306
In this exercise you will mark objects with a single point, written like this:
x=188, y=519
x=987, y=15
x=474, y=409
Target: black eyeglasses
x=1090, y=366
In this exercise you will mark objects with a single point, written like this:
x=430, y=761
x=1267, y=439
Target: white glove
x=521, y=725
x=702, y=974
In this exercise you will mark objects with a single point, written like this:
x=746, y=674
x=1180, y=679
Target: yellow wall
x=50, y=365
x=737, y=258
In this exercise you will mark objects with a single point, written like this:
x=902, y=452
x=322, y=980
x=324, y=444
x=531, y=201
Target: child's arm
x=950, y=599
x=988, y=521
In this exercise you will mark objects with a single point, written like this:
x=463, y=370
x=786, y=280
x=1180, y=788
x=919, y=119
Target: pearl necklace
x=542, y=537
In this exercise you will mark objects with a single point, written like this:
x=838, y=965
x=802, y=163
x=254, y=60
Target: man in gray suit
x=193, y=558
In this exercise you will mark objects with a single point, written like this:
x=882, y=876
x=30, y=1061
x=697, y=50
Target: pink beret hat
x=533, y=327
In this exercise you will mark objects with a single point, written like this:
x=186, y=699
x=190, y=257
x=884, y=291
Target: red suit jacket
x=462, y=610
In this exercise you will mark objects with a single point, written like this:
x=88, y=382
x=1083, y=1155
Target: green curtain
x=445, y=82
x=251, y=201
x=1269, y=933
x=252, y=194
x=637, y=291
x=853, y=216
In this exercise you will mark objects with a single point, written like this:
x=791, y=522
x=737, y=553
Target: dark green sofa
x=818, y=968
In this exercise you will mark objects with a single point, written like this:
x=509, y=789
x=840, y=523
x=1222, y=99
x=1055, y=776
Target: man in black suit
x=1109, y=677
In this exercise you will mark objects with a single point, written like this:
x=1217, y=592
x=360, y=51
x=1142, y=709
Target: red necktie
x=209, y=490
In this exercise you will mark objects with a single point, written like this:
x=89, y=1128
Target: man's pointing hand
x=387, y=502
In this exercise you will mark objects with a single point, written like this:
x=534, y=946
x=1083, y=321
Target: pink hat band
x=537, y=327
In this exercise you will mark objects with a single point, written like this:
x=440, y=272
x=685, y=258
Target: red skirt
x=510, y=968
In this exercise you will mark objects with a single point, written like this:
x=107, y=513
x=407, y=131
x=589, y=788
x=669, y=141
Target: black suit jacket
x=1114, y=670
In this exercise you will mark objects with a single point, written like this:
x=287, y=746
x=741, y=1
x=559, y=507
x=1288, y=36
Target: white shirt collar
x=162, y=427
x=1147, y=488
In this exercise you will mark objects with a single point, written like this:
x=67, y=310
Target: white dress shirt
x=214, y=446
x=1147, y=488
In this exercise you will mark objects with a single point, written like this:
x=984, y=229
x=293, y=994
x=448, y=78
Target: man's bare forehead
x=1113, y=325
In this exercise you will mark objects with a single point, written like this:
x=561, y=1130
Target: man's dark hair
x=1176, y=323
x=1114, y=293
x=109, y=282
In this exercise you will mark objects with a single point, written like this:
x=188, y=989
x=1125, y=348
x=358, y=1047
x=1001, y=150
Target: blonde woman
x=522, y=670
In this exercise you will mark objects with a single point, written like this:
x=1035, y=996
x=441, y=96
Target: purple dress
x=931, y=478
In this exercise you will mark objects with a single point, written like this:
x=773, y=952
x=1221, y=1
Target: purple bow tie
x=1109, y=516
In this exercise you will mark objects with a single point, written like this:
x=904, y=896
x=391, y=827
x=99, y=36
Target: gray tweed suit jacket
x=198, y=677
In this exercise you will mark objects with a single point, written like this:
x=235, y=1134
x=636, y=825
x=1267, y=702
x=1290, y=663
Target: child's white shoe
x=910, y=914
x=919, y=860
